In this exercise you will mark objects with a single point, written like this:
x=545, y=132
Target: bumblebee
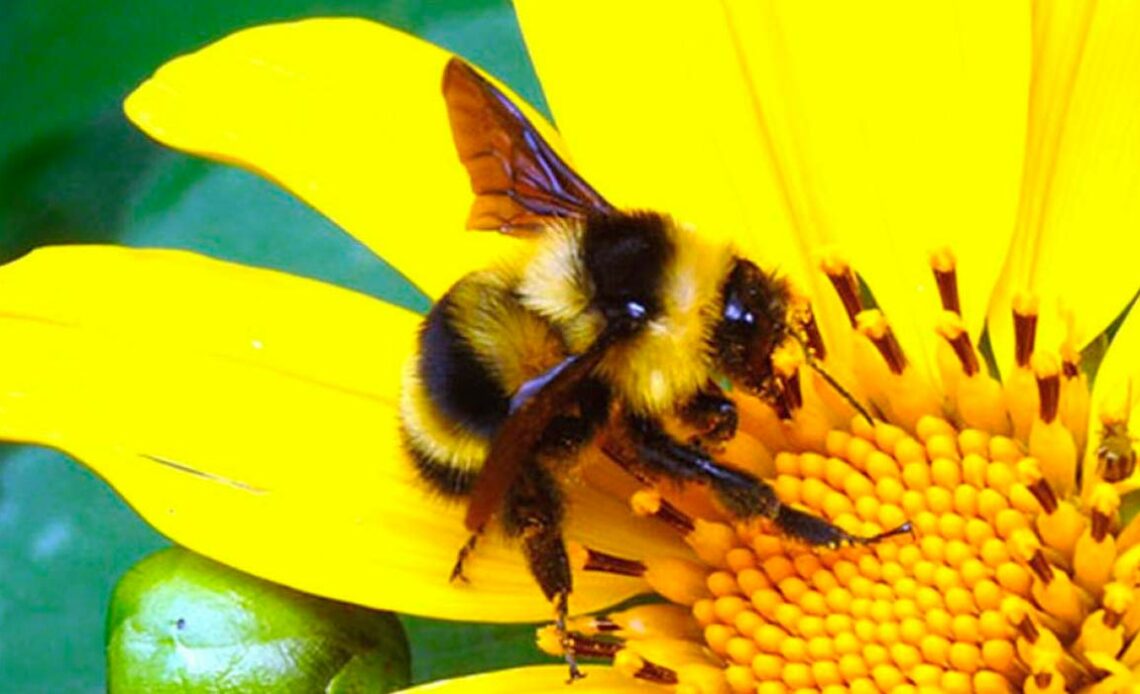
x=610, y=319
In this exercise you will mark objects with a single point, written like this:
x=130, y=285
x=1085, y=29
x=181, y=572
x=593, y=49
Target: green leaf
x=180, y=622
x=442, y=649
x=235, y=215
x=65, y=539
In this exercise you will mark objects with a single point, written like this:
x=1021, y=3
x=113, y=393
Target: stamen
x=1112, y=619
x=843, y=279
x=1044, y=495
x=792, y=396
x=634, y=665
x=953, y=331
x=649, y=502
x=678, y=580
x=655, y=620
x=1075, y=397
x=1027, y=629
x=590, y=625
x=1101, y=523
x=586, y=559
x=1095, y=552
x=712, y=541
x=1118, y=600
x=1024, y=327
x=1048, y=385
x=1024, y=545
x=1061, y=524
x=552, y=642
x=874, y=325
x=944, y=264
x=1050, y=441
x=1041, y=566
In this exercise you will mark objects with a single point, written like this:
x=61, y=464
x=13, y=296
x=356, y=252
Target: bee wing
x=518, y=180
x=532, y=410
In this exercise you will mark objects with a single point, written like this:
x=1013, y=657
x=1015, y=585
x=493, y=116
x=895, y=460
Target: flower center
x=1019, y=573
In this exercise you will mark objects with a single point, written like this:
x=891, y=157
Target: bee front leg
x=659, y=454
x=741, y=493
x=712, y=414
x=815, y=531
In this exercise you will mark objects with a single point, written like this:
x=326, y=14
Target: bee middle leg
x=742, y=494
x=652, y=449
x=461, y=557
x=567, y=433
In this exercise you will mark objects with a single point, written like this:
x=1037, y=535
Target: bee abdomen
x=442, y=476
x=451, y=405
x=464, y=390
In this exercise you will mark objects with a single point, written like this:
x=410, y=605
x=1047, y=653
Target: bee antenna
x=810, y=359
x=843, y=392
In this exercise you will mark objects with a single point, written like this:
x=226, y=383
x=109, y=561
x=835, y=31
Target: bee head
x=753, y=323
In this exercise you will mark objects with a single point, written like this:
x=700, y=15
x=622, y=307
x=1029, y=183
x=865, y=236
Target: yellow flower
x=978, y=166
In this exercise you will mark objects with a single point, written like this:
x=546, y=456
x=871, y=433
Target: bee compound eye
x=633, y=312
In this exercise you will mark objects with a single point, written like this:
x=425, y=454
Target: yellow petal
x=861, y=125
x=345, y=113
x=1076, y=240
x=538, y=679
x=251, y=416
x=903, y=123
x=659, y=114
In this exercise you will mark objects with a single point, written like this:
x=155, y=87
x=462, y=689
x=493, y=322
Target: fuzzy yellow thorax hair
x=668, y=361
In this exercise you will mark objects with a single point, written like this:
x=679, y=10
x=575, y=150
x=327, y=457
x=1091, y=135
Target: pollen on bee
x=552, y=642
x=805, y=319
x=649, y=502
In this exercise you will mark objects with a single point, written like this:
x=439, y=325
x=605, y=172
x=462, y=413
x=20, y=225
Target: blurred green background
x=72, y=170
